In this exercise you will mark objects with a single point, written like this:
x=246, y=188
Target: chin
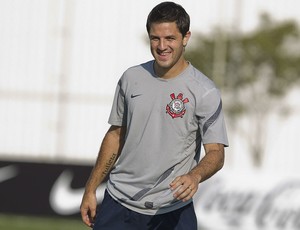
x=164, y=65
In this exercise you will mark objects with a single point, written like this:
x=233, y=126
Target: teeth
x=163, y=54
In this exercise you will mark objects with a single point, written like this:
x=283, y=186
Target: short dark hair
x=169, y=12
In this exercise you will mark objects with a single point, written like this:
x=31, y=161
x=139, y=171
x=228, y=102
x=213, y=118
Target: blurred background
x=60, y=61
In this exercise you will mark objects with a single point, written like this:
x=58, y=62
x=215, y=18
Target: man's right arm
x=108, y=154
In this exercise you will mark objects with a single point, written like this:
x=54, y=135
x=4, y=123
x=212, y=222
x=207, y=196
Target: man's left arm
x=211, y=163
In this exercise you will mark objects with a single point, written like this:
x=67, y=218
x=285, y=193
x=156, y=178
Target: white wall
x=61, y=59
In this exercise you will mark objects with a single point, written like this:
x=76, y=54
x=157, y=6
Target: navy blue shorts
x=111, y=215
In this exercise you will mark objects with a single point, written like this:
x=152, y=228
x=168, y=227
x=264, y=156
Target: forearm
x=108, y=154
x=211, y=163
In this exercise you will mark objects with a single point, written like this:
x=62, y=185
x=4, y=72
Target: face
x=167, y=47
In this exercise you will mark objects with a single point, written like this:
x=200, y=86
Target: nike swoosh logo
x=8, y=172
x=65, y=200
x=136, y=95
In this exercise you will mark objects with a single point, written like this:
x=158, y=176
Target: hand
x=88, y=209
x=186, y=186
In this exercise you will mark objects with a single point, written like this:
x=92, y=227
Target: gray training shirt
x=167, y=121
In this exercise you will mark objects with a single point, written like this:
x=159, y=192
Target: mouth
x=163, y=55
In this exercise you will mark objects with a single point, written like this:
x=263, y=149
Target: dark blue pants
x=113, y=216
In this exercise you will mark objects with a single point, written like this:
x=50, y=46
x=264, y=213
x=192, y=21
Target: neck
x=167, y=73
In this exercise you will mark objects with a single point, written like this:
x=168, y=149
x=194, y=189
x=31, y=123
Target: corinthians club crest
x=176, y=107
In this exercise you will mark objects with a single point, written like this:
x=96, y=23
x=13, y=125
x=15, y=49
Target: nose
x=161, y=44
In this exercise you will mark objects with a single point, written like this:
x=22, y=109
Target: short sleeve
x=118, y=111
x=211, y=118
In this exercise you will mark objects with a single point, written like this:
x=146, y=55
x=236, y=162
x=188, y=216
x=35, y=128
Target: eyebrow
x=167, y=37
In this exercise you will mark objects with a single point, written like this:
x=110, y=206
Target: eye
x=170, y=38
x=152, y=38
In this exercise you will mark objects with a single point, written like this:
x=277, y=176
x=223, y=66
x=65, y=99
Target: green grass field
x=12, y=222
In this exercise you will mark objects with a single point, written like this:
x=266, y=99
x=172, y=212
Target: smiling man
x=167, y=47
x=163, y=111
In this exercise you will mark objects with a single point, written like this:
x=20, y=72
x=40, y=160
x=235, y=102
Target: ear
x=186, y=38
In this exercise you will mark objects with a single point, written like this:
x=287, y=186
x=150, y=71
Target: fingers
x=88, y=211
x=93, y=214
x=176, y=183
x=185, y=187
x=184, y=193
x=88, y=216
x=85, y=217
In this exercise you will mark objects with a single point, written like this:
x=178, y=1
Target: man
x=162, y=112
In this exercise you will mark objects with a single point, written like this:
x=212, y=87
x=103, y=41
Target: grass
x=13, y=222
